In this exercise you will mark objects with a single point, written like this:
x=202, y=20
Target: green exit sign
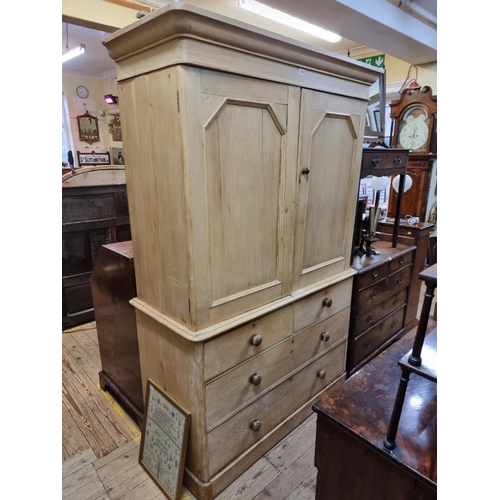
x=378, y=61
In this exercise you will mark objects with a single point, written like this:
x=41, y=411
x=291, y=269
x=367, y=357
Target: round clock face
x=82, y=92
x=414, y=130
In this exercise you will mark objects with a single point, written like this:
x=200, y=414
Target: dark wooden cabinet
x=379, y=301
x=91, y=217
x=417, y=235
x=113, y=286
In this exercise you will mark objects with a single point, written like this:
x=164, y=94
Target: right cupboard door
x=331, y=135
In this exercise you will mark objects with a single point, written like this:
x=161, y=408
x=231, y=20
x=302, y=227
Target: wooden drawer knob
x=325, y=336
x=255, y=425
x=401, y=260
x=256, y=379
x=396, y=302
x=400, y=280
x=375, y=273
x=398, y=160
x=387, y=281
x=393, y=324
x=375, y=162
x=373, y=295
x=256, y=339
x=327, y=302
x=321, y=374
x=369, y=319
x=305, y=171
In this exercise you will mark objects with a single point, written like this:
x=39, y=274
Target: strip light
x=288, y=20
x=73, y=53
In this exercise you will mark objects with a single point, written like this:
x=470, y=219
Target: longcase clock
x=414, y=121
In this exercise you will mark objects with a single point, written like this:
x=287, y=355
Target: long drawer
x=245, y=428
x=226, y=351
x=373, y=338
x=369, y=318
x=236, y=388
x=370, y=297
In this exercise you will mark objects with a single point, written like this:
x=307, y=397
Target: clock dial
x=414, y=129
x=82, y=92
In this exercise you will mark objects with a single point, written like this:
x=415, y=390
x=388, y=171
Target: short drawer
x=230, y=349
x=380, y=159
x=369, y=318
x=250, y=425
x=236, y=388
x=373, y=276
x=399, y=262
x=373, y=338
x=378, y=293
x=322, y=305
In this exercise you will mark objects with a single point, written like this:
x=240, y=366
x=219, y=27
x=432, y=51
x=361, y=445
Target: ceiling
x=405, y=29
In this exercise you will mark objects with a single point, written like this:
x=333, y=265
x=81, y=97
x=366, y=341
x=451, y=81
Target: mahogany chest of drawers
x=379, y=301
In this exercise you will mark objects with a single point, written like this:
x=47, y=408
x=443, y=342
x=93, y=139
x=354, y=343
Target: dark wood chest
x=379, y=301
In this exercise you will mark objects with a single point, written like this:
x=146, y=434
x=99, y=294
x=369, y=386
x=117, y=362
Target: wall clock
x=82, y=92
x=414, y=123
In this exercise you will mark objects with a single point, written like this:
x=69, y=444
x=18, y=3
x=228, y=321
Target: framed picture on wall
x=88, y=128
x=117, y=155
x=115, y=128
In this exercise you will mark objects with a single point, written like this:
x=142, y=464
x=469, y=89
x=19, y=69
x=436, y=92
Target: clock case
x=420, y=163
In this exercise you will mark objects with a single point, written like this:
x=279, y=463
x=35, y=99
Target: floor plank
x=73, y=439
x=82, y=358
x=251, y=482
x=78, y=479
x=91, y=347
x=77, y=462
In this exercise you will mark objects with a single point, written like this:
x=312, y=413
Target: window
x=67, y=139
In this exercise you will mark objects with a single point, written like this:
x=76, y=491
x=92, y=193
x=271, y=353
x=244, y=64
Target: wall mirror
x=88, y=128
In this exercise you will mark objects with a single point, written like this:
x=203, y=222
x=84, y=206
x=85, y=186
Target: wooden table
x=352, y=422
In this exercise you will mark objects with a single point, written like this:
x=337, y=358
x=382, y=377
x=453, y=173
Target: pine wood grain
x=77, y=462
x=80, y=355
x=73, y=439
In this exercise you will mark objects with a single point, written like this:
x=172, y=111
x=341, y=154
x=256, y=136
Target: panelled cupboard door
x=242, y=190
x=328, y=174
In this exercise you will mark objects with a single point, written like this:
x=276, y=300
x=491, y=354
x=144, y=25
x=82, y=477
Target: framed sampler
x=163, y=440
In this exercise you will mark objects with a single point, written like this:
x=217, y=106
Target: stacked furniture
x=243, y=151
x=94, y=213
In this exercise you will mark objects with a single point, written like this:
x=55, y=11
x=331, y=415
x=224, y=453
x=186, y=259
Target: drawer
x=380, y=159
x=233, y=437
x=402, y=261
x=370, y=297
x=381, y=272
x=239, y=386
x=373, y=276
x=322, y=305
x=230, y=349
x=373, y=338
x=369, y=318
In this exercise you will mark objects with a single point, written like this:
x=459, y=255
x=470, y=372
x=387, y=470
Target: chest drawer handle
x=256, y=379
x=375, y=273
x=325, y=336
x=387, y=281
x=327, y=302
x=305, y=171
x=375, y=162
x=369, y=319
x=393, y=324
x=255, y=425
x=402, y=260
x=256, y=339
x=397, y=160
x=321, y=374
x=400, y=280
x=396, y=302
x=373, y=295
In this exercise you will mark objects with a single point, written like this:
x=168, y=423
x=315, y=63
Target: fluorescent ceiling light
x=73, y=53
x=294, y=22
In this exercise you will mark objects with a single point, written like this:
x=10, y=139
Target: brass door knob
x=327, y=302
x=321, y=374
x=256, y=379
x=255, y=425
x=325, y=336
x=256, y=339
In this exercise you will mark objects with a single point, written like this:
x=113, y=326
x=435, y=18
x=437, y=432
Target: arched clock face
x=414, y=129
